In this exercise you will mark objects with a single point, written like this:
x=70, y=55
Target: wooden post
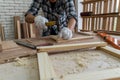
x=17, y=27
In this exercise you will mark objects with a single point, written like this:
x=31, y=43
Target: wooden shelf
x=117, y=14
x=86, y=2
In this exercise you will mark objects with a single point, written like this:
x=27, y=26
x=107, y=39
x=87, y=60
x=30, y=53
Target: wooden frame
x=105, y=16
x=46, y=71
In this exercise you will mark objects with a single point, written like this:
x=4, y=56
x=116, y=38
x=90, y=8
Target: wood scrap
x=69, y=47
x=46, y=71
x=110, y=50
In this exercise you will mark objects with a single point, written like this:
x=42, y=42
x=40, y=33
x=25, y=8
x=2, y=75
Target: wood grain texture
x=111, y=51
x=46, y=71
x=68, y=47
x=17, y=27
x=60, y=40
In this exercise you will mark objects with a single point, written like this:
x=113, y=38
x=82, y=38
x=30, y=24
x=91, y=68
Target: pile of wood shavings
x=82, y=61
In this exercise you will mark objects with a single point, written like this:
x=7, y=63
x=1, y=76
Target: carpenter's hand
x=29, y=18
x=65, y=33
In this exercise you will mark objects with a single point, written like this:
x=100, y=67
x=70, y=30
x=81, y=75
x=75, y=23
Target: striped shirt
x=62, y=12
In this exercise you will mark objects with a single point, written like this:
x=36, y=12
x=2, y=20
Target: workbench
x=23, y=63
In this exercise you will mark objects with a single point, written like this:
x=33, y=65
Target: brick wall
x=10, y=8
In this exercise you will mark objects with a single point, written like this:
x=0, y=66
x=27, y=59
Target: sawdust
x=82, y=61
x=22, y=69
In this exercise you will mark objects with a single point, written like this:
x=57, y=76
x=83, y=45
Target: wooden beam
x=111, y=51
x=68, y=47
x=60, y=40
x=97, y=75
x=46, y=71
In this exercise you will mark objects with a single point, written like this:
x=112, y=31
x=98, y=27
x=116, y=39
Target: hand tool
x=111, y=40
x=28, y=43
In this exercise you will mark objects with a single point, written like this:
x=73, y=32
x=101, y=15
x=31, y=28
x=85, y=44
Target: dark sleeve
x=34, y=8
x=70, y=9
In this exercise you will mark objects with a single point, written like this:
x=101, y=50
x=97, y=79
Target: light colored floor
x=64, y=64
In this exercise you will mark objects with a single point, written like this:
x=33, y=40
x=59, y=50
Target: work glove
x=65, y=33
x=40, y=25
x=40, y=22
x=29, y=18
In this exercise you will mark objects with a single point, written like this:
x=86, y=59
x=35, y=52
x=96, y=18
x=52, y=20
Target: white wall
x=10, y=8
x=79, y=10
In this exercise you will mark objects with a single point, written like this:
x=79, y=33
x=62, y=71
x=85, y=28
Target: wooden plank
x=46, y=71
x=60, y=40
x=6, y=45
x=17, y=27
x=69, y=47
x=10, y=54
x=32, y=30
x=111, y=51
x=2, y=33
x=87, y=33
x=97, y=75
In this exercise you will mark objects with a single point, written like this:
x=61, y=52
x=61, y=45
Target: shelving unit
x=106, y=15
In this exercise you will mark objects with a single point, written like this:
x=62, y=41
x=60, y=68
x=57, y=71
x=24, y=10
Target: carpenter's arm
x=71, y=14
x=30, y=15
x=34, y=8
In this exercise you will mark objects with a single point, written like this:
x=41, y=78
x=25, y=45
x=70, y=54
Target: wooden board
x=46, y=71
x=60, y=40
x=6, y=45
x=110, y=50
x=108, y=74
x=68, y=47
x=17, y=27
x=11, y=54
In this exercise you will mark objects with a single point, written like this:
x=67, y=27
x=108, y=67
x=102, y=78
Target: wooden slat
x=17, y=27
x=2, y=33
x=32, y=30
x=91, y=1
x=46, y=71
x=105, y=11
x=69, y=47
x=111, y=51
x=118, y=20
x=60, y=40
x=97, y=75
